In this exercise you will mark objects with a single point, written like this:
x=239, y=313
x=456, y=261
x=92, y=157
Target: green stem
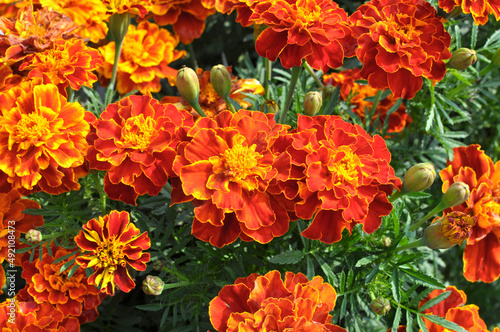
x=311, y=71
x=198, y=109
x=71, y=93
x=413, y=244
x=375, y=101
x=100, y=189
x=293, y=82
x=229, y=105
x=440, y=207
x=487, y=69
x=51, y=236
x=268, y=77
x=190, y=50
x=396, y=195
x=111, y=86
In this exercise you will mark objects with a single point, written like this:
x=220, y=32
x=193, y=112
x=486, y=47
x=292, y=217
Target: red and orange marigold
x=42, y=139
x=479, y=9
x=110, y=246
x=314, y=30
x=147, y=51
x=343, y=177
x=226, y=169
x=267, y=303
x=482, y=252
x=244, y=9
x=135, y=142
x=399, y=43
x=186, y=16
x=134, y=7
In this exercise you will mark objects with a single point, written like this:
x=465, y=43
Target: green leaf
x=372, y=274
x=64, y=257
x=151, y=306
x=67, y=265
x=366, y=260
x=395, y=285
x=409, y=321
x=445, y=323
x=421, y=324
x=423, y=279
x=287, y=257
x=434, y=301
x=397, y=319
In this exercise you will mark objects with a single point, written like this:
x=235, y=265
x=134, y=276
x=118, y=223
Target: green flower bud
x=462, y=58
x=118, y=26
x=386, y=241
x=152, y=285
x=157, y=265
x=450, y=230
x=221, y=80
x=269, y=106
x=419, y=177
x=456, y=194
x=381, y=305
x=188, y=85
x=328, y=91
x=312, y=102
x=33, y=236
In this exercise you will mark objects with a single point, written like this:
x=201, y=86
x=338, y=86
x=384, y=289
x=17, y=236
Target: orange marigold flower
x=70, y=62
x=42, y=139
x=226, y=168
x=110, y=245
x=211, y=103
x=135, y=143
x=147, y=51
x=135, y=7
x=90, y=15
x=72, y=296
x=453, y=309
x=482, y=251
x=345, y=177
x=244, y=9
x=187, y=16
x=314, y=30
x=345, y=80
x=9, y=8
x=399, y=42
x=267, y=303
x=480, y=9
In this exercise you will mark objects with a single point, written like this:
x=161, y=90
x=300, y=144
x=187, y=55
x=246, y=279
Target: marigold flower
x=482, y=251
x=186, y=16
x=314, y=30
x=479, y=9
x=345, y=177
x=42, y=139
x=135, y=7
x=449, y=230
x=135, y=143
x=228, y=179
x=72, y=296
x=110, y=245
x=267, y=303
x=70, y=62
x=146, y=53
x=243, y=8
x=399, y=42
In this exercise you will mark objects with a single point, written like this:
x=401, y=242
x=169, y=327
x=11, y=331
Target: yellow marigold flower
x=146, y=53
x=111, y=244
x=42, y=139
x=136, y=7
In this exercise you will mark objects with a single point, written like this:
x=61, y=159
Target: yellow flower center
x=344, y=166
x=139, y=132
x=457, y=226
x=208, y=94
x=239, y=161
x=110, y=255
x=32, y=126
x=308, y=12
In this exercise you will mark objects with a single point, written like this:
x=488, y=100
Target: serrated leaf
x=445, y=323
x=366, y=260
x=423, y=279
x=287, y=257
x=421, y=324
x=434, y=301
x=372, y=274
x=66, y=265
x=397, y=319
x=395, y=285
x=409, y=321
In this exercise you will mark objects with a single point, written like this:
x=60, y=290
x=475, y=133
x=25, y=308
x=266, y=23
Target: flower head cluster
x=42, y=139
x=267, y=303
x=135, y=142
x=399, y=43
x=110, y=245
x=227, y=168
x=472, y=166
x=147, y=51
x=135, y=7
x=343, y=176
x=314, y=30
x=187, y=16
x=479, y=9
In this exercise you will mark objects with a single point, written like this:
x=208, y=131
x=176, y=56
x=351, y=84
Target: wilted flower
x=267, y=303
x=399, y=42
x=479, y=9
x=110, y=245
x=450, y=230
x=418, y=178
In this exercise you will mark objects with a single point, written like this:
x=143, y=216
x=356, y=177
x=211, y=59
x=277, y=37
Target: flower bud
x=419, y=177
x=328, y=91
x=118, y=26
x=450, y=230
x=462, y=58
x=269, y=106
x=188, y=85
x=152, y=285
x=157, y=265
x=312, y=102
x=386, y=241
x=221, y=80
x=381, y=305
x=33, y=236
x=456, y=194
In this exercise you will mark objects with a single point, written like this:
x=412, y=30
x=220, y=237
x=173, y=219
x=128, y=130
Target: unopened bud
x=456, y=194
x=419, y=177
x=328, y=91
x=188, y=85
x=462, y=58
x=221, y=80
x=381, y=305
x=152, y=285
x=312, y=102
x=450, y=230
x=118, y=26
x=33, y=236
x=157, y=265
x=269, y=106
x=386, y=241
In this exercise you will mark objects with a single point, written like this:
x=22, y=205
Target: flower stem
x=291, y=89
x=100, y=189
x=396, y=195
x=111, y=85
x=190, y=50
x=440, y=207
x=311, y=71
x=487, y=69
x=198, y=109
x=268, y=77
x=413, y=244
